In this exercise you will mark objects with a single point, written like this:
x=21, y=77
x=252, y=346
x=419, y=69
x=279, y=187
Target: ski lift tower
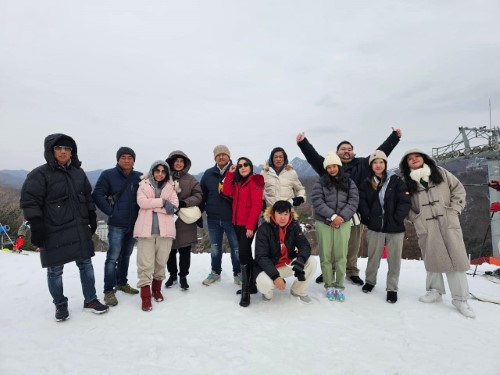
x=487, y=146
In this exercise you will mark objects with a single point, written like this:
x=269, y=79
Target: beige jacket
x=284, y=186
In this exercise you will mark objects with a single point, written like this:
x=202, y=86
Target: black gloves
x=169, y=207
x=298, y=268
x=199, y=222
x=182, y=204
x=92, y=222
x=37, y=234
x=297, y=201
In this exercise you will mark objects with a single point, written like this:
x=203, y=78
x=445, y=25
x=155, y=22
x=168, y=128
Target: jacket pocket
x=59, y=211
x=452, y=218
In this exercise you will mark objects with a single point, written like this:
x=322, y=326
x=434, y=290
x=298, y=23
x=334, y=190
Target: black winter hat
x=124, y=151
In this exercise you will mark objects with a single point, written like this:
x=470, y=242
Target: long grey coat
x=188, y=190
x=435, y=214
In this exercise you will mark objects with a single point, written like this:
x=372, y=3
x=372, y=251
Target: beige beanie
x=377, y=154
x=331, y=158
x=221, y=149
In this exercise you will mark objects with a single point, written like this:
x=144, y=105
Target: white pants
x=265, y=284
x=457, y=282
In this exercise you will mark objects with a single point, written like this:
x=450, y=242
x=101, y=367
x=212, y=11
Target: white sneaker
x=431, y=296
x=464, y=308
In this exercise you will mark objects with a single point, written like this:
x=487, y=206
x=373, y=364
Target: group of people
x=160, y=211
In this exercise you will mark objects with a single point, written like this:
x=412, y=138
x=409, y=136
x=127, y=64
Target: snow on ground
x=205, y=331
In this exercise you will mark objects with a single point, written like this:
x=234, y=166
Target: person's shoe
x=156, y=290
x=110, y=298
x=96, y=307
x=392, y=297
x=356, y=280
x=266, y=298
x=237, y=279
x=464, y=308
x=339, y=295
x=62, y=312
x=126, y=288
x=304, y=299
x=330, y=294
x=211, y=278
x=367, y=288
x=146, y=298
x=172, y=280
x=431, y=296
x=319, y=279
x=184, y=283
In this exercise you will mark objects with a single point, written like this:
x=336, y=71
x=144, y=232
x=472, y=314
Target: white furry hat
x=331, y=158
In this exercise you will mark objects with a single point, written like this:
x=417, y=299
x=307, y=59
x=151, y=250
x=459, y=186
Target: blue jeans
x=216, y=230
x=121, y=243
x=54, y=280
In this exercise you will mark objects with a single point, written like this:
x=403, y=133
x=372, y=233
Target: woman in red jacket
x=246, y=189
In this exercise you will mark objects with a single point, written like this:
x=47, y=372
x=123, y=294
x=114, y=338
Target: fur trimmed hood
x=267, y=214
x=266, y=167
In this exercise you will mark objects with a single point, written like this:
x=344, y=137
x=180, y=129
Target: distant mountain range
x=15, y=178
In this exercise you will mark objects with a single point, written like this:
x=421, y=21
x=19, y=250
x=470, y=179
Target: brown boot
x=146, y=298
x=156, y=287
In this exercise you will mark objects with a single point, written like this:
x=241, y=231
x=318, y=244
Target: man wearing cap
x=56, y=199
x=358, y=169
x=219, y=215
x=115, y=194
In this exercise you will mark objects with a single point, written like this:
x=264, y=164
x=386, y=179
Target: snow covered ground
x=205, y=331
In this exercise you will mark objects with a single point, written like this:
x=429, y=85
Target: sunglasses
x=162, y=171
x=243, y=165
x=62, y=148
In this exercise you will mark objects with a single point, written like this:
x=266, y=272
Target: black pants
x=184, y=261
x=244, y=244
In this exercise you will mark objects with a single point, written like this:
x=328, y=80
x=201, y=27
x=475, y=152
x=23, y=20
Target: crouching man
x=281, y=251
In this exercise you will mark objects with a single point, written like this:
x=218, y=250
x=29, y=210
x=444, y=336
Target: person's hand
x=169, y=207
x=297, y=201
x=232, y=168
x=298, y=268
x=279, y=283
x=397, y=131
x=300, y=137
x=92, y=221
x=37, y=234
x=249, y=233
x=337, y=222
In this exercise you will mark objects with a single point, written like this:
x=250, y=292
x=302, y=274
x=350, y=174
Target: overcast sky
x=164, y=75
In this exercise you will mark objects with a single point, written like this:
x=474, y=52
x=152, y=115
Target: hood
x=51, y=141
x=156, y=163
x=175, y=154
x=267, y=214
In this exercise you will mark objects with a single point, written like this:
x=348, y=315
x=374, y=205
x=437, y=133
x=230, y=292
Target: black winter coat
x=268, y=248
x=397, y=204
x=60, y=198
x=358, y=168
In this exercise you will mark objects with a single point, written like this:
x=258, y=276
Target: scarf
x=421, y=175
x=284, y=259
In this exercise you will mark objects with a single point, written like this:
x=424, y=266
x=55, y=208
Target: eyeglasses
x=162, y=171
x=243, y=165
x=62, y=148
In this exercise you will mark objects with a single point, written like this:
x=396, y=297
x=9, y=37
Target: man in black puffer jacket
x=281, y=251
x=56, y=199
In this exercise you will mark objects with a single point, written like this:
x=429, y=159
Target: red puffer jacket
x=247, y=199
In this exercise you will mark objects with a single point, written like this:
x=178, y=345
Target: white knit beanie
x=377, y=154
x=331, y=158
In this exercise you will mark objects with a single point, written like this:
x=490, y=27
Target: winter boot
x=146, y=298
x=245, y=286
x=156, y=288
x=252, y=281
x=184, y=283
x=62, y=312
x=172, y=280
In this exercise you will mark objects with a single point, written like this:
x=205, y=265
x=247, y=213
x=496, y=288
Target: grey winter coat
x=328, y=201
x=435, y=214
x=188, y=191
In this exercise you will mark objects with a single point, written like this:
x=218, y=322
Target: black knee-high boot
x=245, y=285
